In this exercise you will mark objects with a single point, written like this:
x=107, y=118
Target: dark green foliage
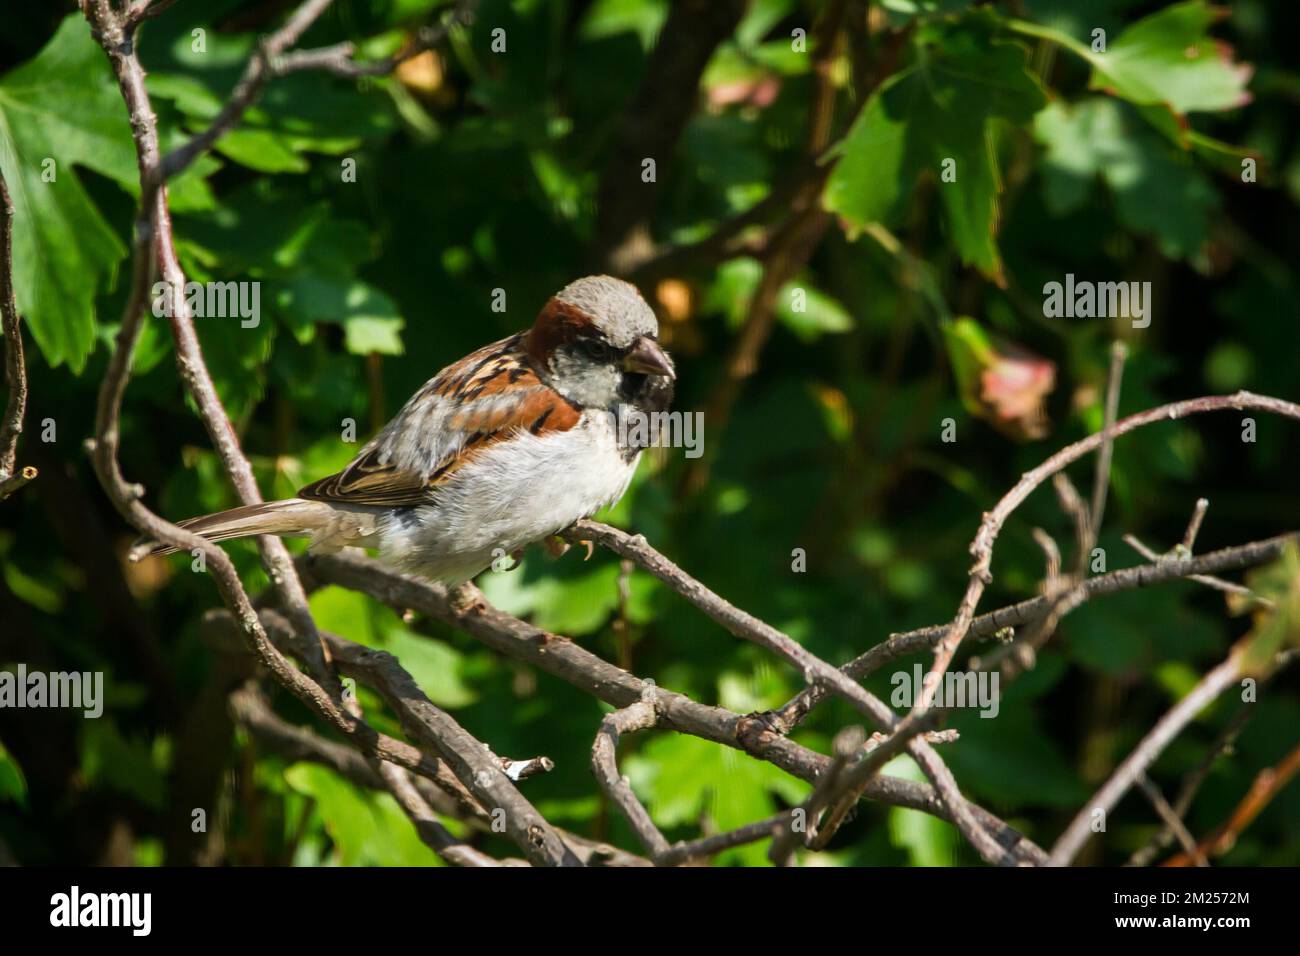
x=482, y=175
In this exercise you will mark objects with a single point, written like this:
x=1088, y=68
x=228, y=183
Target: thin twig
x=709, y=846
x=1194, y=524
x=848, y=742
x=1101, y=477
x=570, y=662
x=604, y=765
x=982, y=546
x=1222, y=745
x=1267, y=785
x=1150, y=747
x=155, y=249
x=258, y=71
x=11, y=426
x=1052, y=556
x=1170, y=818
x=880, y=750
x=431, y=832
x=338, y=59
x=815, y=670
x=791, y=714
x=1219, y=584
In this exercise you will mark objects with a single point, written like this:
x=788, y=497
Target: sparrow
x=504, y=448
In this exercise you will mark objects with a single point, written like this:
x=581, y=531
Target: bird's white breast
x=511, y=494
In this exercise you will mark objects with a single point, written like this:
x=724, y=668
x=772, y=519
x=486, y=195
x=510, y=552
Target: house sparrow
x=508, y=446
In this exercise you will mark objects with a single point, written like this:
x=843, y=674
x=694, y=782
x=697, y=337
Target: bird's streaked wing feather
x=487, y=397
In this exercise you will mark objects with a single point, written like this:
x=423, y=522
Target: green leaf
x=1169, y=57
x=759, y=20
x=901, y=11
x=369, y=318
x=365, y=334
x=1277, y=625
x=938, y=115
x=1158, y=190
x=820, y=313
x=1166, y=58
x=436, y=666
x=111, y=760
x=367, y=829
x=13, y=785
x=569, y=597
x=58, y=111
x=682, y=778
x=610, y=17
x=260, y=150
x=733, y=286
x=927, y=840
x=970, y=351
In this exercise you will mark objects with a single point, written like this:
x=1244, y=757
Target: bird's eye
x=595, y=349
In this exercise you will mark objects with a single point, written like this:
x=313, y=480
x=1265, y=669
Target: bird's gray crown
x=615, y=306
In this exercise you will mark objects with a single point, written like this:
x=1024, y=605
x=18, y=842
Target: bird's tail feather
x=292, y=516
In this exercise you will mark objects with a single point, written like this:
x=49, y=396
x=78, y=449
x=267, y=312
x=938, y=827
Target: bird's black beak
x=649, y=358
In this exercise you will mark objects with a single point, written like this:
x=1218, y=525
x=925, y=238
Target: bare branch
x=1194, y=523
x=295, y=743
x=651, y=126
x=1101, y=477
x=982, y=546
x=815, y=670
x=11, y=426
x=715, y=843
x=988, y=625
x=1219, y=584
x=604, y=765
x=844, y=796
x=1150, y=747
x=1172, y=820
x=433, y=833
x=338, y=59
x=1191, y=785
x=570, y=662
x=1267, y=785
x=473, y=763
x=155, y=248
x=256, y=73
x=1052, y=554
x=846, y=744
x=273, y=58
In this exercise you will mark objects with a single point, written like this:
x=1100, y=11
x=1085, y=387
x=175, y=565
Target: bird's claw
x=557, y=547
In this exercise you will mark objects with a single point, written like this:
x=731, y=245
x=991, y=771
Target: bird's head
x=596, y=343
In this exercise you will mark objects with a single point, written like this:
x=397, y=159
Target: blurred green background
x=479, y=170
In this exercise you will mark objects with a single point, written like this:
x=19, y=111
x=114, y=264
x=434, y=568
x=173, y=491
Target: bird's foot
x=465, y=598
x=557, y=547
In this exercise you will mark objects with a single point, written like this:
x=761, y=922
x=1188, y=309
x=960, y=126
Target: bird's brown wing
x=485, y=398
